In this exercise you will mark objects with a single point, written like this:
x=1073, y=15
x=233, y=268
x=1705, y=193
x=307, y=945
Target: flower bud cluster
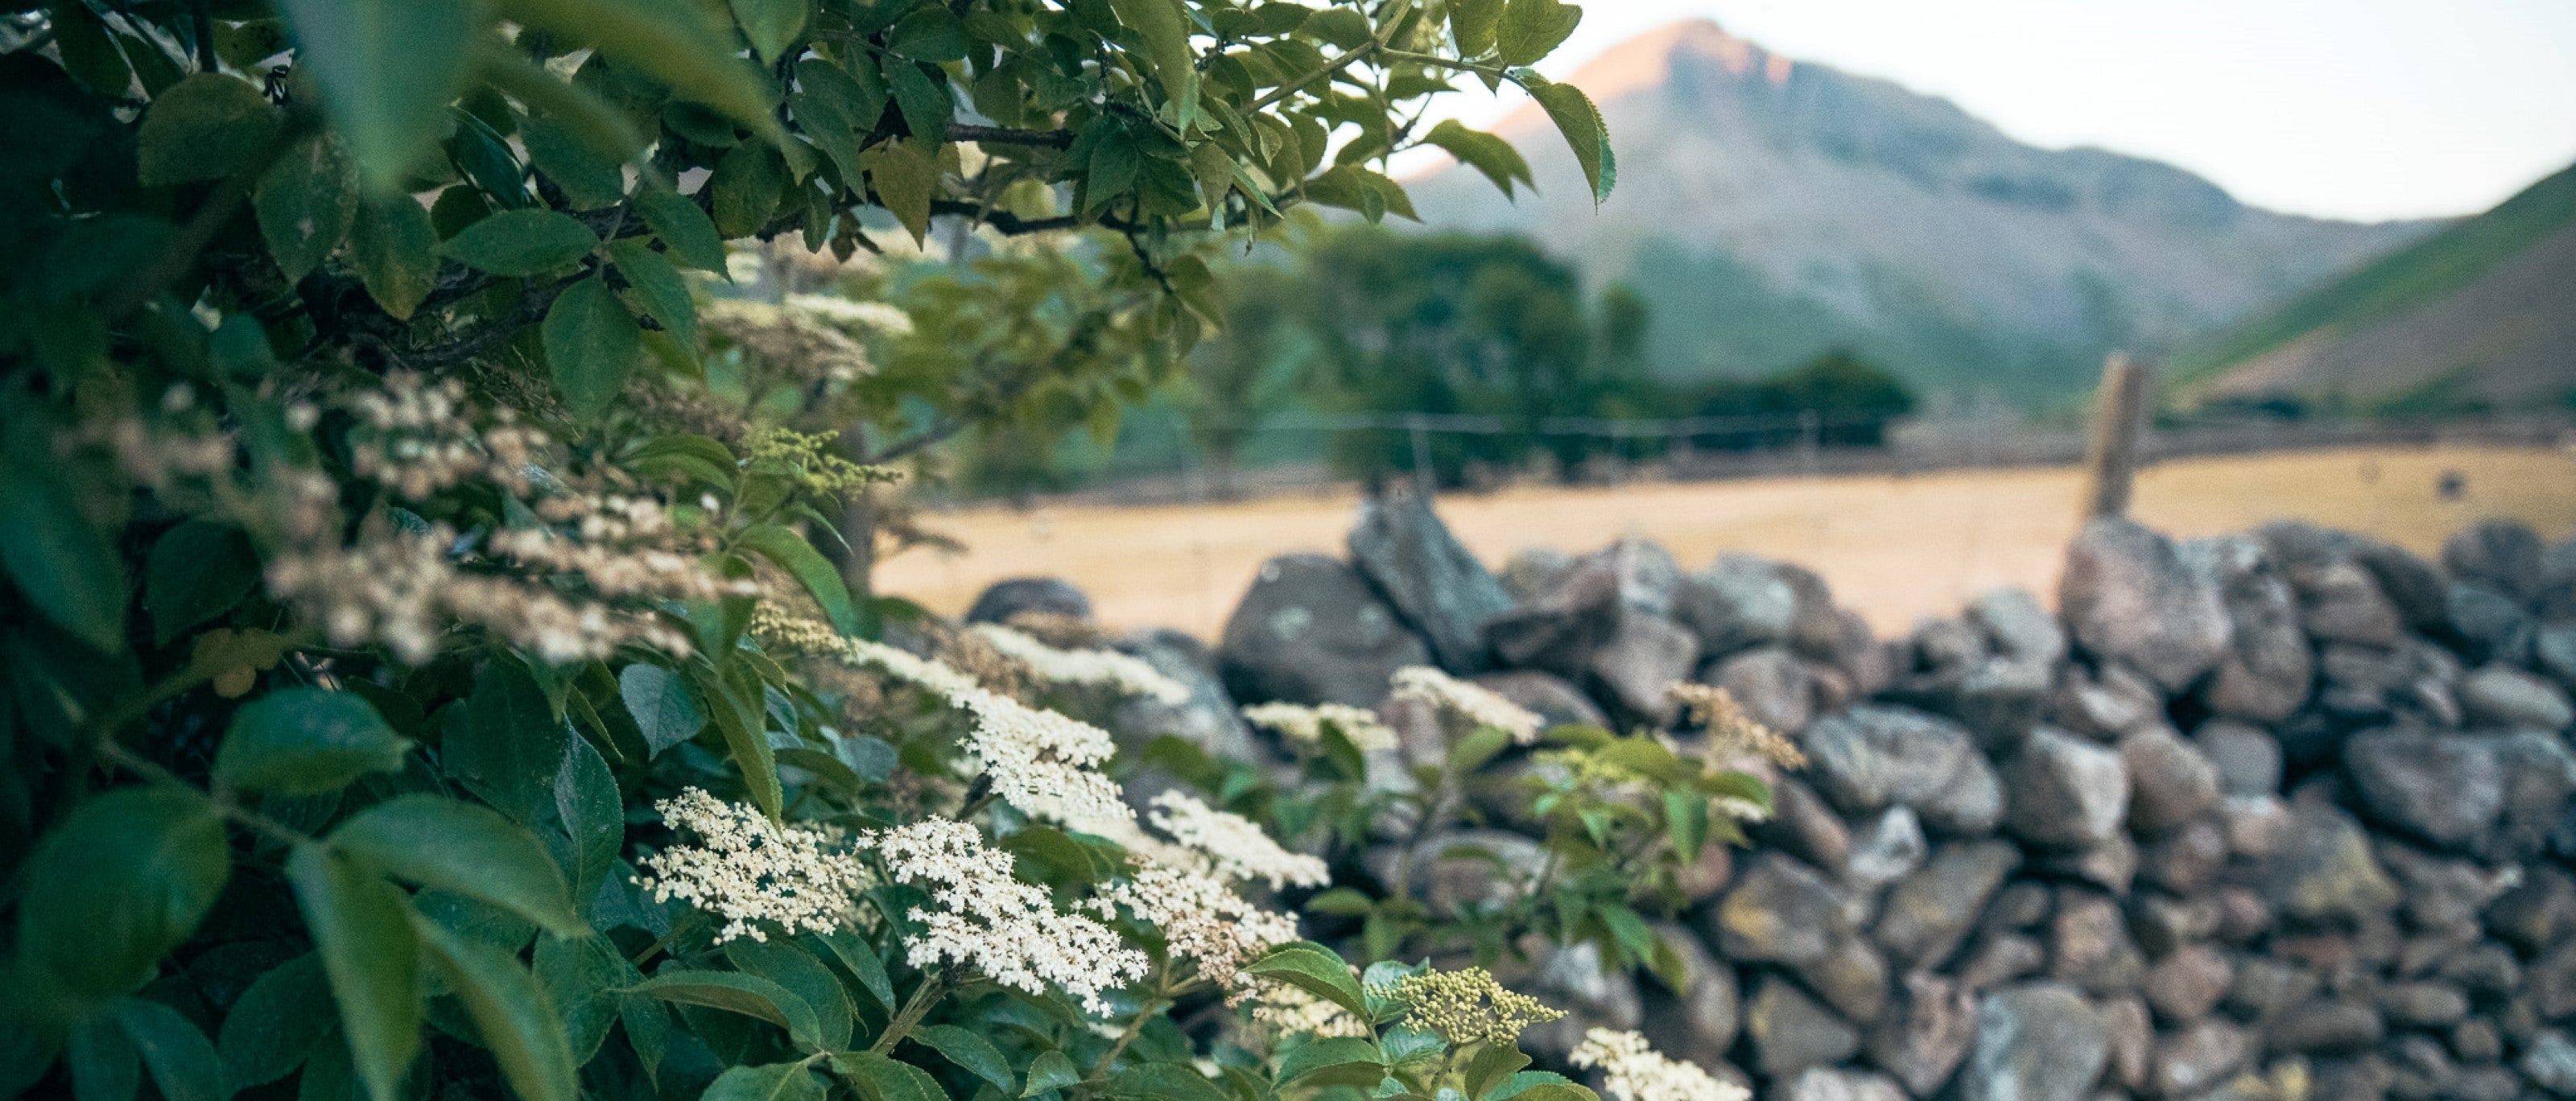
x=1473, y=704
x=1635, y=1071
x=1731, y=732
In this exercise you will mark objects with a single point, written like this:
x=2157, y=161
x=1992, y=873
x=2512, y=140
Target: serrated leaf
x=878, y=1078
x=591, y=343
x=469, y=850
x=306, y=204
x=394, y=248
x=1484, y=152
x=664, y=709
x=745, y=188
x=182, y=1061
x=275, y=1024
x=1165, y=27
x=511, y=1010
x=504, y=742
x=386, y=70
x=677, y=42
x=772, y=1082
x=658, y=286
x=684, y=229
x=588, y=178
x=905, y=179
x=589, y=825
x=582, y=975
x=1315, y=969
x=1051, y=1070
x=789, y=964
x=1334, y=1051
x=922, y=99
x=205, y=127
x=1472, y=24
x=808, y=566
x=1491, y=1065
x=972, y=1053
x=1580, y=122
x=1530, y=29
x=771, y=25
x=305, y=741
x=745, y=741
x=362, y=929
x=521, y=242
x=735, y=992
x=862, y=963
x=88, y=50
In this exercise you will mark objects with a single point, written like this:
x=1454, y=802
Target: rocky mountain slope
x=2481, y=313
x=1770, y=209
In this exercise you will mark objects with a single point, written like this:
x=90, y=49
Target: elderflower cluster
x=423, y=439
x=1467, y=1007
x=1124, y=672
x=1201, y=918
x=882, y=317
x=1635, y=1071
x=1043, y=762
x=1731, y=732
x=1232, y=846
x=1289, y=1010
x=750, y=871
x=1299, y=723
x=1007, y=930
x=788, y=339
x=1477, y=705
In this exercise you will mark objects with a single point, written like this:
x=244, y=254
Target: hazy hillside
x=1770, y=209
x=2483, y=312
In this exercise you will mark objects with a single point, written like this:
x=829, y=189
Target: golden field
x=1893, y=548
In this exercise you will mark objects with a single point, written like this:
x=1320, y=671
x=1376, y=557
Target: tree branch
x=1003, y=135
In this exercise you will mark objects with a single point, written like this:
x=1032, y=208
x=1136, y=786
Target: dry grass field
x=1893, y=548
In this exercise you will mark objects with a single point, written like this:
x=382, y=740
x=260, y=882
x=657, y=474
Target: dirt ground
x=1893, y=548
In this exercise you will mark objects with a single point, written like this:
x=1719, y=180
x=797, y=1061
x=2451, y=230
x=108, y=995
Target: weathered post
x=2118, y=435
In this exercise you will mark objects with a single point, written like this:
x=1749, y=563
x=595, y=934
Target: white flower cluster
x=1201, y=918
x=788, y=339
x=749, y=870
x=1125, y=672
x=884, y=317
x=1477, y=705
x=1007, y=930
x=1637, y=1072
x=1288, y=1010
x=1232, y=846
x=1299, y=723
x=1043, y=762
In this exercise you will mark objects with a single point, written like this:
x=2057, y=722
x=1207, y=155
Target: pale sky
x=2339, y=108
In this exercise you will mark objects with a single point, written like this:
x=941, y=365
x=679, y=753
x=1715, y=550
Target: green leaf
x=103, y=1063
x=394, y=248
x=861, y=960
x=745, y=740
x=306, y=203
x=1530, y=29
x=275, y=1024
x=119, y=884
x=206, y=127
x=1580, y=122
x=60, y=561
x=791, y=965
x=88, y=50
x=182, y=1061
x=1686, y=823
x=588, y=178
x=588, y=826
x=1165, y=28
x=971, y=1052
x=1492, y=1064
x=1318, y=1054
x=1483, y=152
x=773, y=1082
x=1169, y=1081
x=1315, y=969
x=676, y=41
x=582, y=975
x=922, y=99
x=1472, y=24
x=1540, y=1085
x=305, y=741
x=473, y=851
x=744, y=189
x=590, y=343
x=771, y=25
x=1051, y=1070
x=658, y=286
x=664, y=709
x=735, y=992
x=1479, y=746
x=905, y=179
x=877, y=1078
x=505, y=744
x=511, y=1011
x=684, y=229
x=522, y=242
x=362, y=929
x=197, y=571
x=808, y=566
x=386, y=69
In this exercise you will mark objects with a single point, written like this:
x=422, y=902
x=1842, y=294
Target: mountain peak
x=1644, y=63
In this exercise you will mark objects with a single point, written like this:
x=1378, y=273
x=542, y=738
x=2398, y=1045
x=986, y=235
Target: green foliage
x=399, y=503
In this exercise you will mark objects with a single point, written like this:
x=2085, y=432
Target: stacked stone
x=2283, y=814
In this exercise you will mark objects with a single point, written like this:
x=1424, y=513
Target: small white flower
x=1233, y=846
x=1474, y=704
x=1202, y=920
x=1125, y=672
x=1637, y=1072
x=1007, y=930
x=1299, y=723
x=749, y=870
x=1042, y=762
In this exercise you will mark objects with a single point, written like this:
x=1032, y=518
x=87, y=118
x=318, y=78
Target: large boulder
x=1775, y=687
x=1928, y=912
x=2039, y=1042
x=1791, y=1031
x=2065, y=792
x=1559, y=624
x=1699, y=1020
x=2321, y=869
x=1207, y=719
x=2016, y=626
x=1741, y=601
x=1781, y=911
x=1637, y=665
x=1434, y=584
x=2170, y=782
x=1825, y=1084
x=2502, y=555
x=1006, y=599
x=2129, y=597
x=1869, y=757
x=2265, y=672
x=1925, y=1033
x=2500, y=695
x=2444, y=788
x=1311, y=631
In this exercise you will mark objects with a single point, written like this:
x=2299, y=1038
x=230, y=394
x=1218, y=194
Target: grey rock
x=1737, y=603
x=1649, y=579
x=1532, y=571
x=2186, y=984
x=1885, y=848
x=1869, y=757
x=1557, y=627
x=2442, y=893
x=1458, y=868
x=1434, y=584
x=1925, y=1033
x=2000, y=958
x=1640, y=660
x=2553, y=651
x=2165, y=926
x=2034, y=1043
x=1824, y=1084
x=2495, y=626
x=2549, y=1061
x=2445, y=789
x=2190, y=1061
x=2089, y=944
x=1774, y=686
x=2324, y=1025
x=2247, y=756
x=2477, y=1040
x=2483, y=1084
x=1791, y=1031
x=1550, y=697
x=2170, y=782
x=2266, y=988
x=1207, y=719
x=2106, y=704
x=2322, y=869
x=2129, y=597
x=1852, y=978
x=2132, y=1039
x=2499, y=695
x=2551, y=982
x=1927, y=913
x=2111, y=865
x=1942, y=645
x=2015, y=625
x=2502, y=555
x=2000, y=699
x=2539, y=777
x=2342, y=602
x=2430, y=1004
x=2065, y=792
x=1803, y=825
x=1783, y=911
x=1700, y=1020
x=2535, y=913
x=2021, y=905
x=2186, y=860
x=2265, y=672
x=1574, y=979
x=1310, y=631
x=1009, y=597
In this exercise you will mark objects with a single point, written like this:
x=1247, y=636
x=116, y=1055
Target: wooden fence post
x=2111, y=453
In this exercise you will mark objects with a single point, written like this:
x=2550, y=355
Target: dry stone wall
x=2282, y=814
